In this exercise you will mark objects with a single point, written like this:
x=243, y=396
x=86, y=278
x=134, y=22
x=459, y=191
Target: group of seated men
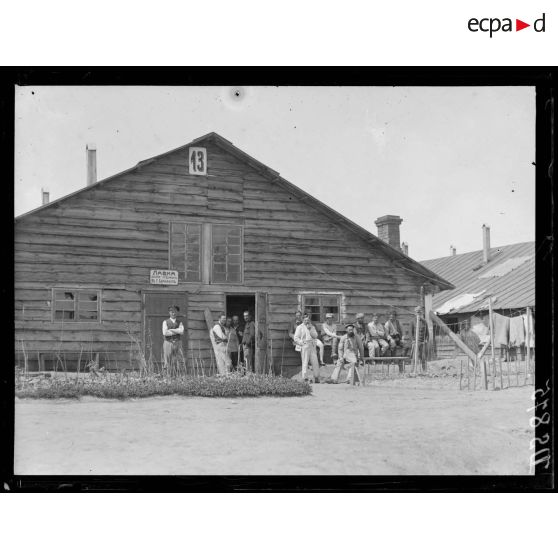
x=349, y=348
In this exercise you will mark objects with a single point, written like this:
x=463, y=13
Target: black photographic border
x=542, y=78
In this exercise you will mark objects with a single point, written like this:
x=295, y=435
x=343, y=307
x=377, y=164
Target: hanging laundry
x=531, y=329
x=501, y=329
x=517, y=331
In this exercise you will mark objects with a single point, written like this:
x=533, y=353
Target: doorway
x=236, y=305
x=256, y=304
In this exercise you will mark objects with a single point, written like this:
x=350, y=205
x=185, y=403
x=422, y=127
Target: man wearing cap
x=173, y=329
x=351, y=351
x=305, y=336
x=423, y=336
x=376, y=338
x=292, y=328
x=329, y=335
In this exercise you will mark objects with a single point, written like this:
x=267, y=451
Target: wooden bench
x=401, y=361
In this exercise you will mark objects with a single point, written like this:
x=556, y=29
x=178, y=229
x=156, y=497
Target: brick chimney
x=453, y=250
x=91, y=152
x=388, y=230
x=405, y=248
x=485, y=244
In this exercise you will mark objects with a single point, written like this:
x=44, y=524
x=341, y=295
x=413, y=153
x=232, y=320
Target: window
x=185, y=251
x=317, y=306
x=208, y=253
x=226, y=254
x=76, y=305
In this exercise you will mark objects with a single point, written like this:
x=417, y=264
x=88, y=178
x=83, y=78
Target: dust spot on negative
x=32, y=92
x=237, y=94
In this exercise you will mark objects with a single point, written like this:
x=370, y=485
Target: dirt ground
x=401, y=427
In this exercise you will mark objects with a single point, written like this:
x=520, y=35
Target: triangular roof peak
x=398, y=257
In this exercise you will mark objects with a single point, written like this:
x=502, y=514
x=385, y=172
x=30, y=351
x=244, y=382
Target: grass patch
x=134, y=387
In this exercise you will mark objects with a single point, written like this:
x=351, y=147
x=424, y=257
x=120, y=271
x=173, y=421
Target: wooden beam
x=483, y=350
x=453, y=337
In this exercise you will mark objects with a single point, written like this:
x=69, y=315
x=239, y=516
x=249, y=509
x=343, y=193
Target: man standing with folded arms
x=173, y=329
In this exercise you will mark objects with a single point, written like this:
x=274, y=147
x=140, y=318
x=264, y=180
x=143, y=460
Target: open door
x=261, y=361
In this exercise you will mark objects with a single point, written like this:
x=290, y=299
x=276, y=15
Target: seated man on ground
x=376, y=338
x=351, y=352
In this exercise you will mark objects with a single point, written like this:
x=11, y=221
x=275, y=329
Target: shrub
x=134, y=387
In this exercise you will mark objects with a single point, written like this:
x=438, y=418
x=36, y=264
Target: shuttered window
x=185, y=251
x=317, y=306
x=76, y=305
x=226, y=254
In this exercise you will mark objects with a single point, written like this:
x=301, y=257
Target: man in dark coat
x=423, y=337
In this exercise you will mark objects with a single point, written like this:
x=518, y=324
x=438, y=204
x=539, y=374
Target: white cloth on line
x=531, y=341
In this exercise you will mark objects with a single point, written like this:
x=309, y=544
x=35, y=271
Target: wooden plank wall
x=110, y=236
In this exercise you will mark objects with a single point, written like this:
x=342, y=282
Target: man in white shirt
x=221, y=339
x=173, y=329
x=329, y=335
x=305, y=337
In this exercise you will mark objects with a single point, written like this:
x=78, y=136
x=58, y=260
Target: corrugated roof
x=509, y=277
x=394, y=255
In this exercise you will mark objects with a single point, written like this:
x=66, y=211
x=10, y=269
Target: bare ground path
x=376, y=430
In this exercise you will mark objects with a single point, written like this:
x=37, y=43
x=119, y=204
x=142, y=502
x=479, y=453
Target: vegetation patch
x=129, y=387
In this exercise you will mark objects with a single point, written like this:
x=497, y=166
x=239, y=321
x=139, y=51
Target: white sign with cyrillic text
x=164, y=277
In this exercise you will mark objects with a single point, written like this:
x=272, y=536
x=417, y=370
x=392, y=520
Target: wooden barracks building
x=204, y=226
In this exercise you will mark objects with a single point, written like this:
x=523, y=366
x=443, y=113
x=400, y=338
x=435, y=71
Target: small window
x=226, y=254
x=185, y=251
x=317, y=306
x=76, y=305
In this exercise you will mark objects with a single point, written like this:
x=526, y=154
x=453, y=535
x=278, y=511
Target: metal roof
x=396, y=256
x=509, y=277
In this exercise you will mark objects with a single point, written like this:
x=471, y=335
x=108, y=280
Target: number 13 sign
x=198, y=160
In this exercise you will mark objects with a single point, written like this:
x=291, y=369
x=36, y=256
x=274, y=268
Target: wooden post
x=484, y=379
x=475, y=375
x=491, y=327
x=415, y=364
x=460, y=373
x=528, y=341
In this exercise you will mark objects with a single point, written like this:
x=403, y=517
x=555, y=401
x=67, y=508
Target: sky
x=445, y=159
